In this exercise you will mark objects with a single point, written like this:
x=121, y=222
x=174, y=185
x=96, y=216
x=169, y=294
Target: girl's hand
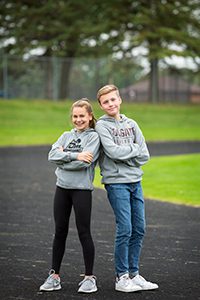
x=85, y=156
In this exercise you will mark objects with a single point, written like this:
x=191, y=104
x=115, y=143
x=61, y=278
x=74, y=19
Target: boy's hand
x=85, y=156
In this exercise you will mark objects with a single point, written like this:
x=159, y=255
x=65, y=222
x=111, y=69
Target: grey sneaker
x=88, y=285
x=51, y=283
x=143, y=283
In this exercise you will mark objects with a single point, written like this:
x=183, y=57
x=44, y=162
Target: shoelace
x=87, y=278
x=126, y=279
x=142, y=279
x=51, y=277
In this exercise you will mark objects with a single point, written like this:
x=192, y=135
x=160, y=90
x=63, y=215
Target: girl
x=75, y=153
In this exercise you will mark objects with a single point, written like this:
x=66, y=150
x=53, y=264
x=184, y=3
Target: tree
x=164, y=28
x=174, y=30
x=59, y=28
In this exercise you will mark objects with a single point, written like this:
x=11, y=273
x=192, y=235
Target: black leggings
x=81, y=200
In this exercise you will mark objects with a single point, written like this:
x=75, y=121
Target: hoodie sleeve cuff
x=73, y=156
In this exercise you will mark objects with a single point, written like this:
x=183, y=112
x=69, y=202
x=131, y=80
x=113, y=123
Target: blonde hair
x=84, y=102
x=107, y=89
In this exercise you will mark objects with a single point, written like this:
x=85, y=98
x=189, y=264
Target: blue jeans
x=127, y=203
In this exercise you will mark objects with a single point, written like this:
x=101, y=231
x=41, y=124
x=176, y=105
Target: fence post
x=55, y=82
x=5, y=76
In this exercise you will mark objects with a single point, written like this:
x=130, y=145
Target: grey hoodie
x=72, y=173
x=124, y=150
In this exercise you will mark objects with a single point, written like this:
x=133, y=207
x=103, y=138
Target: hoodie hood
x=113, y=120
x=84, y=132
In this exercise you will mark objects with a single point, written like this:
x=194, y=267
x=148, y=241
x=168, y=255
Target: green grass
x=166, y=122
x=173, y=178
x=41, y=122
x=170, y=178
x=32, y=122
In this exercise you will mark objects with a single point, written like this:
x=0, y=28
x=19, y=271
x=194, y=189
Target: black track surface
x=170, y=255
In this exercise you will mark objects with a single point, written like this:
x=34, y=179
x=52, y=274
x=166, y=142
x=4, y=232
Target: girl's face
x=81, y=118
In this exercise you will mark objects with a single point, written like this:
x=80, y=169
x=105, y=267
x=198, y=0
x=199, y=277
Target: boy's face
x=110, y=103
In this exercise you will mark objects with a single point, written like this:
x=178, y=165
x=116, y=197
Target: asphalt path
x=170, y=255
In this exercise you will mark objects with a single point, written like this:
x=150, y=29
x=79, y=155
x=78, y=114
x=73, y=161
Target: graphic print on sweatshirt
x=123, y=136
x=74, y=146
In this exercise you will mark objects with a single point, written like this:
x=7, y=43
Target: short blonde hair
x=106, y=89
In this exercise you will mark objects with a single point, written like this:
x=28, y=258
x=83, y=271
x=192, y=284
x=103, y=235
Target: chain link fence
x=50, y=77
x=61, y=78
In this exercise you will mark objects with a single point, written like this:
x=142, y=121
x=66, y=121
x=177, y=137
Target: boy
x=123, y=152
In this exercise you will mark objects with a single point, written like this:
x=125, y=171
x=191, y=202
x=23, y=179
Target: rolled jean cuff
x=133, y=274
x=122, y=273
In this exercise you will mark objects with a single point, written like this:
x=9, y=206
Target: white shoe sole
x=149, y=289
x=88, y=292
x=137, y=289
x=51, y=289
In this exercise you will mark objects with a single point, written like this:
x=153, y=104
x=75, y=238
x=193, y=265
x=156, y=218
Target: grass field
x=41, y=122
x=172, y=178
